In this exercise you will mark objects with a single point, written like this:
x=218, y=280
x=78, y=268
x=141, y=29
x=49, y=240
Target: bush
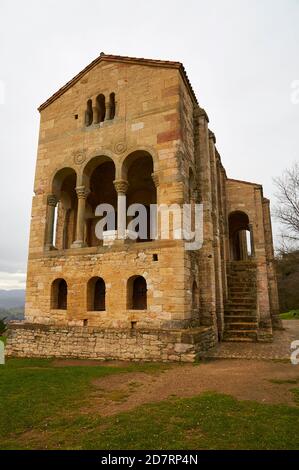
x=3, y=326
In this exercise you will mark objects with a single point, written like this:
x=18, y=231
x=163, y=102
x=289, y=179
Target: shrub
x=3, y=326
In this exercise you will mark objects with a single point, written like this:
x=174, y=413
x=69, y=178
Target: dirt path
x=243, y=379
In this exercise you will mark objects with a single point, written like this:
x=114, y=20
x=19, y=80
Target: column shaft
x=79, y=242
x=51, y=203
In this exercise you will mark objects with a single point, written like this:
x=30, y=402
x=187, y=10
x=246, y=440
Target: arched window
x=59, y=295
x=137, y=293
x=101, y=106
x=89, y=113
x=96, y=294
x=112, y=106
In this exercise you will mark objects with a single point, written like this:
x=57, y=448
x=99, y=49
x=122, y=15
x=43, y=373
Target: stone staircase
x=240, y=314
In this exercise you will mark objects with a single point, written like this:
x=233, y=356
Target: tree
x=287, y=207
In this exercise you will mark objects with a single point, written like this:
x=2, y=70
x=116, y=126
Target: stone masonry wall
x=33, y=340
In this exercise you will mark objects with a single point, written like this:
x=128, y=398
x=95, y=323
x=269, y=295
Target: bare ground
x=245, y=371
x=243, y=379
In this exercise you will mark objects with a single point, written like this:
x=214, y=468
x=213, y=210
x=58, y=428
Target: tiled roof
x=129, y=60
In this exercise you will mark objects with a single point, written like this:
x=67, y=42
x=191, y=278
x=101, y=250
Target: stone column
x=51, y=204
x=243, y=245
x=216, y=236
x=206, y=253
x=264, y=310
x=155, y=229
x=121, y=187
x=96, y=117
x=251, y=241
x=81, y=194
x=108, y=111
x=272, y=278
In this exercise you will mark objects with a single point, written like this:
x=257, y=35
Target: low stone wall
x=35, y=340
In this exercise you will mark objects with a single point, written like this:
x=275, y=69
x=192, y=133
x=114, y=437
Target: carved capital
x=52, y=200
x=155, y=178
x=81, y=192
x=121, y=186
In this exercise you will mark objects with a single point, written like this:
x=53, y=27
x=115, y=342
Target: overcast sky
x=241, y=57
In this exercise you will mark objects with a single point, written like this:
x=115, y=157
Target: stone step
x=240, y=283
x=241, y=290
x=240, y=318
x=238, y=296
x=251, y=334
x=241, y=274
x=231, y=326
x=242, y=265
x=241, y=303
x=239, y=310
x=239, y=340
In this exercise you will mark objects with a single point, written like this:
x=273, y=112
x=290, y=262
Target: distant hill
x=12, y=299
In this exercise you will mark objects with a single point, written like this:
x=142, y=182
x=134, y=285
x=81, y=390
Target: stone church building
x=129, y=129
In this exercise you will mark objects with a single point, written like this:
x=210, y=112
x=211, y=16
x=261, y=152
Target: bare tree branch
x=286, y=210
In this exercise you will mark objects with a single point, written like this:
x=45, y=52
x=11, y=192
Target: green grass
x=40, y=408
x=291, y=315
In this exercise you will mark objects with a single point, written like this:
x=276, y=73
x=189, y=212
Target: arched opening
x=240, y=236
x=59, y=294
x=96, y=294
x=138, y=169
x=99, y=175
x=101, y=107
x=112, y=105
x=64, y=188
x=137, y=293
x=89, y=113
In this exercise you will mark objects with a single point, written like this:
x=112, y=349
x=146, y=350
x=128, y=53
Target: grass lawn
x=41, y=406
x=291, y=315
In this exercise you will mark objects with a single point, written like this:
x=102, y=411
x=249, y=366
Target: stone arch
x=59, y=292
x=57, y=178
x=240, y=236
x=128, y=158
x=137, y=293
x=98, y=156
